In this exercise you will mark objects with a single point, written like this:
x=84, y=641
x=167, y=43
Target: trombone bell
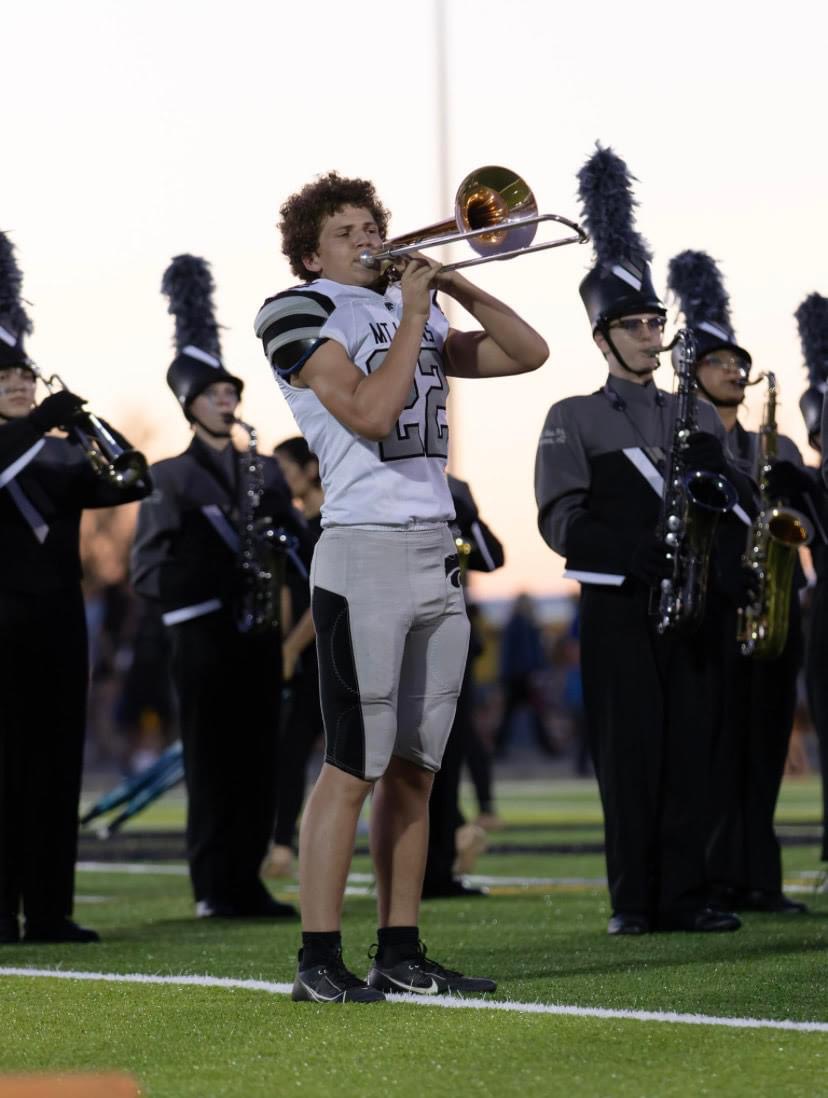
x=494, y=210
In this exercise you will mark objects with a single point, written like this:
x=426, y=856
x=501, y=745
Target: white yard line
x=424, y=1000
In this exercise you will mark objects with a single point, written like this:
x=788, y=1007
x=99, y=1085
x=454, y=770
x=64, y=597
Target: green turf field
x=544, y=942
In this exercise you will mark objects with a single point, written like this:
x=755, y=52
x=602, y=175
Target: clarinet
x=262, y=549
x=691, y=505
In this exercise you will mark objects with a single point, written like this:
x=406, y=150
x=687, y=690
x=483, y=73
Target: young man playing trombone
x=363, y=365
x=45, y=485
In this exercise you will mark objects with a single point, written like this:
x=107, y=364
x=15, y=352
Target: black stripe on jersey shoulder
x=288, y=324
x=290, y=358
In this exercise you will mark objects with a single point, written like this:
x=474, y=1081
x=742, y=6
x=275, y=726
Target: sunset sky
x=133, y=132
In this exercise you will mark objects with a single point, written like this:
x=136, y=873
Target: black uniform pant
x=816, y=679
x=444, y=816
x=43, y=684
x=648, y=711
x=301, y=727
x=229, y=693
x=752, y=736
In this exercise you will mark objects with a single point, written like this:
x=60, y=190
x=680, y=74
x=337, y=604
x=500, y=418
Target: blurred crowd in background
x=528, y=703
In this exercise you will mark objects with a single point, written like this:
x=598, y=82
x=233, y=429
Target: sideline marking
x=428, y=1000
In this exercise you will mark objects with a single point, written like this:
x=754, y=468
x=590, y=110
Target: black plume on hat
x=695, y=279
x=812, y=319
x=188, y=284
x=14, y=320
x=620, y=283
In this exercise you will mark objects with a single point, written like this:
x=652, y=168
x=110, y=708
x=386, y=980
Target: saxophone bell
x=774, y=540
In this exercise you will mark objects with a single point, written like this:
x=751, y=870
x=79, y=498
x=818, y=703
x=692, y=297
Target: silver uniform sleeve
x=562, y=477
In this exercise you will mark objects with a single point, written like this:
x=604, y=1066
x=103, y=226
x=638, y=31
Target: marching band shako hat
x=14, y=321
x=620, y=284
x=812, y=318
x=189, y=285
x=697, y=282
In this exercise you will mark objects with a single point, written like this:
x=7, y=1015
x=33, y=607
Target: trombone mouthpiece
x=369, y=260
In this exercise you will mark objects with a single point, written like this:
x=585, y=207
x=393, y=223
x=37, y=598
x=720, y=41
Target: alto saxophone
x=692, y=503
x=772, y=548
x=263, y=549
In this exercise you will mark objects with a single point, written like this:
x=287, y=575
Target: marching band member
x=812, y=319
x=302, y=716
x=598, y=486
x=757, y=696
x=45, y=485
x=363, y=367
x=186, y=559
x=451, y=841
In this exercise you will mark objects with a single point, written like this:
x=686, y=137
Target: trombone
x=120, y=465
x=495, y=210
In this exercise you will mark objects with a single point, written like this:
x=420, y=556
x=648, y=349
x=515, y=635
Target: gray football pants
x=391, y=636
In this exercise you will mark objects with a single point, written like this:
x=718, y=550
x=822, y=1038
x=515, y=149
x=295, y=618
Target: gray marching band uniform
x=599, y=488
x=755, y=698
x=228, y=684
x=755, y=713
x=648, y=697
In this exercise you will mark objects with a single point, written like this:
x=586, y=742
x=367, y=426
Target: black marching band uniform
x=480, y=551
x=812, y=319
x=756, y=698
x=45, y=485
x=647, y=696
x=228, y=683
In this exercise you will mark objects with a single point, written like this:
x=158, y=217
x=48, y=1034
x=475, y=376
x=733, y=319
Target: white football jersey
x=402, y=478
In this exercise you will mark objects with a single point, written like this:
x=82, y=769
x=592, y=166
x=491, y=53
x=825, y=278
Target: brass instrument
x=692, y=503
x=120, y=465
x=262, y=549
x=773, y=543
x=495, y=210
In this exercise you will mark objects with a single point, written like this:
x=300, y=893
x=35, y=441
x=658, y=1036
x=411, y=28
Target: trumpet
x=495, y=211
x=120, y=465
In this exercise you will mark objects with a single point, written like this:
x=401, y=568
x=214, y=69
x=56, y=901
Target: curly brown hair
x=304, y=212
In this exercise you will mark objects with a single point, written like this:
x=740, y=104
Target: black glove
x=649, y=561
x=57, y=410
x=787, y=481
x=704, y=451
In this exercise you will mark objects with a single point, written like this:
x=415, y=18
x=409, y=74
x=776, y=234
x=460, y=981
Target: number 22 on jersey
x=422, y=429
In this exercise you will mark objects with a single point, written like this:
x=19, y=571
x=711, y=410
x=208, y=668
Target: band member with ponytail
x=598, y=484
x=812, y=319
x=45, y=485
x=756, y=696
x=363, y=366
x=186, y=558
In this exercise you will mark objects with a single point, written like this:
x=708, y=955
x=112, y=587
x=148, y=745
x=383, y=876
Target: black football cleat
x=418, y=975
x=331, y=983
x=59, y=930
